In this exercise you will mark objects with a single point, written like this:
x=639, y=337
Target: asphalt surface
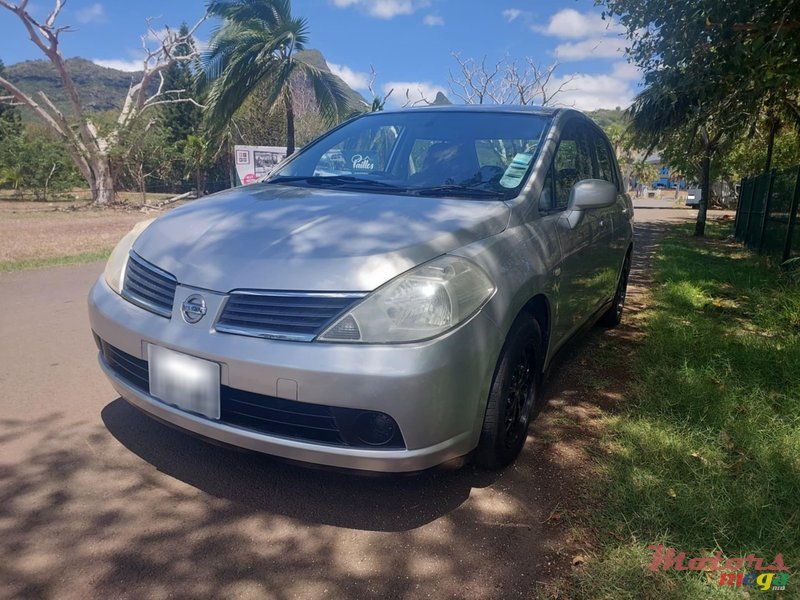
x=99, y=501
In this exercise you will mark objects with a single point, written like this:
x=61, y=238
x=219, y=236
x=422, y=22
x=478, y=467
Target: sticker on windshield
x=516, y=170
x=361, y=161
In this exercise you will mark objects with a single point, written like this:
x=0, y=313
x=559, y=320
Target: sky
x=409, y=43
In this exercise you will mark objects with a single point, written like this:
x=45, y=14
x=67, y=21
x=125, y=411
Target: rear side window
x=605, y=161
x=573, y=163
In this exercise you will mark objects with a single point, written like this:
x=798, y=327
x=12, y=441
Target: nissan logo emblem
x=193, y=309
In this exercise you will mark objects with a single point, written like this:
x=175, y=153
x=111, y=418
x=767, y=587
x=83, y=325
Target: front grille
x=266, y=414
x=282, y=315
x=148, y=286
x=129, y=368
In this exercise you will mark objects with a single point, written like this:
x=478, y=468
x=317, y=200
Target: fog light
x=375, y=429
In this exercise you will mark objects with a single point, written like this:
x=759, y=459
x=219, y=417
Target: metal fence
x=767, y=216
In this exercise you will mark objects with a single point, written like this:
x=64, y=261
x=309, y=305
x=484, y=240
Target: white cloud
x=595, y=47
x=625, y=70
x=416, y=91
x=512, y=14
x=571, y=24
x=357, y=80
x=91, y=14
x=590, y=92
x=384, y=9
x=433, y=20
x=119, y=64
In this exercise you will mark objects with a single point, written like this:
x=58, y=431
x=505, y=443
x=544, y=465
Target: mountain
x=100, y=88
x=316, y=59
x=103, y=89
x=441, y=100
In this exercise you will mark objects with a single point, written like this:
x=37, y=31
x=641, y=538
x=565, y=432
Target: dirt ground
x=30, y=230
x=98, y=500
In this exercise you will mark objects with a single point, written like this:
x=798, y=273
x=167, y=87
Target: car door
x=573, y=162
x=607, y=225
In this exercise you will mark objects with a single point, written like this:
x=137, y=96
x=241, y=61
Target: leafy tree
x=34, y=159
x=197, y=157
x=76, y=128
x=257, y=44
x=143, y=155
x=10, y=119
x=710, y=69
x=747, y=156
x=183, y=119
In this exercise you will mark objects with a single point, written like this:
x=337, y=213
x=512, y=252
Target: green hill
x=100, y=88
x=103, y=89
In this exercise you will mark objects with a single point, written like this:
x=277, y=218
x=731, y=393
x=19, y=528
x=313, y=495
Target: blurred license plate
x=189, y=383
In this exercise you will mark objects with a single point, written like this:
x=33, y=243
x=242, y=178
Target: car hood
x=275, y=237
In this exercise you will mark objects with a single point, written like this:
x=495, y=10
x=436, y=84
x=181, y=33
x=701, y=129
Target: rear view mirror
x=592, y=193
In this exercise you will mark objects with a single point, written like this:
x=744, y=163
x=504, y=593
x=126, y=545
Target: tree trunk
x=705, y=194
x=773, y=129
x=102, y=183
x=289, y=124
x=198, y=181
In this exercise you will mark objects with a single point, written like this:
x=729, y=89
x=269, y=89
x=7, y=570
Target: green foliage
x=705, y=454
x=607, y=118
x=182, y=118
x=33, y=159
x=711, y=69
x=143, y=155
x=747, y=156
x=10, y=119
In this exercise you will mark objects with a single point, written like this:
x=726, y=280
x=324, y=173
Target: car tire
x=613, y=316
x=514, y=398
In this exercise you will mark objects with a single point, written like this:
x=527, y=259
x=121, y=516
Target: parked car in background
x=387, y=300
x=693, y=197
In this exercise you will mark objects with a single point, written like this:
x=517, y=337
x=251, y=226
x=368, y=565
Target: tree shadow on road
x=260, y=482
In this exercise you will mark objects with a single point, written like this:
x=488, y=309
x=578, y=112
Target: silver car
x=387, y=300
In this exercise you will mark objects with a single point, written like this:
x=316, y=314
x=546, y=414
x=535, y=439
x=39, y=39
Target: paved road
x=98, y=501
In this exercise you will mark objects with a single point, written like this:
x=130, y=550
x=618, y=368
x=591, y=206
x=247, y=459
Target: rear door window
x=573, y=163
x=605, y=162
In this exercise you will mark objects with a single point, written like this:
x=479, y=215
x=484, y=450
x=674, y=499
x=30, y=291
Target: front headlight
x=115, y=267
x=418, y=305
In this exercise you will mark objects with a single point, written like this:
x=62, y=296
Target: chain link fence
x=768, y=213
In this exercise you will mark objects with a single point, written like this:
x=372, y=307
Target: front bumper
x=435, y=391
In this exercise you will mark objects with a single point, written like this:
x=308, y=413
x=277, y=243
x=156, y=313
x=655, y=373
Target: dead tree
x=86, y=146
x=506, y=82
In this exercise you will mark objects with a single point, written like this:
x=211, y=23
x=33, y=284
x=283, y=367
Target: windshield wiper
x=456, y=190
x=321, y=180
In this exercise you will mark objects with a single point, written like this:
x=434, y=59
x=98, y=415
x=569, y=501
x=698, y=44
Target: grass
x=705, y=456
x=53, y=261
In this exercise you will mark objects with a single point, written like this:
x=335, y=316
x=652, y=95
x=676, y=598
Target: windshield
x=480, y=155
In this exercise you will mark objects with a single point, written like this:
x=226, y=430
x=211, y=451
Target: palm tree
x=257, y=42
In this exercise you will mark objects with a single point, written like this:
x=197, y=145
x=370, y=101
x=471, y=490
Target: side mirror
x=587, y=195
x=592, y=193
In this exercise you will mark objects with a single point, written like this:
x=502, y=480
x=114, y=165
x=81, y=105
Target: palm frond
x=331, y=97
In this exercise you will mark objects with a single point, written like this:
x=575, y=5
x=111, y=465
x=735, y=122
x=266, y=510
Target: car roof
x=547, y=111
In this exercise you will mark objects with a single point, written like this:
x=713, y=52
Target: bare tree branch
x=377, y=102
x=506, y=82
x=411, y=102
x=88, y=149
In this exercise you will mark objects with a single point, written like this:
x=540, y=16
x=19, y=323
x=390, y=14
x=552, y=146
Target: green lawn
x=53, y=261
x=705, y=455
